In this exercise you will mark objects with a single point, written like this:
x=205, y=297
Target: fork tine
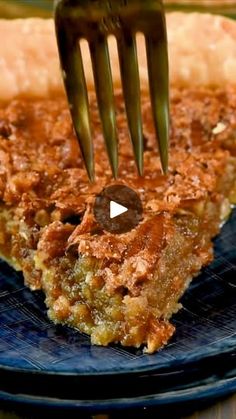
x=105, y=97
x=72, y=67
x=157, y=57
x=131, y=89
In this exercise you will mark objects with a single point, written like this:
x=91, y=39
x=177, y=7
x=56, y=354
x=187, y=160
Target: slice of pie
x=117, y=288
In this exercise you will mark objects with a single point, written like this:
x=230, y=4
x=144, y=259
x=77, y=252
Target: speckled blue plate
x=32, y=348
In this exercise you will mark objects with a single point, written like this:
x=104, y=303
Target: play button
x=118, y=209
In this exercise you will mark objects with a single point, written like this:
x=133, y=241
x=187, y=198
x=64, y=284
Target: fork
x=95, y=20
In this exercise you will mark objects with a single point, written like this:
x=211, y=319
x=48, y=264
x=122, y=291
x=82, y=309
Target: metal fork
x=94, y=20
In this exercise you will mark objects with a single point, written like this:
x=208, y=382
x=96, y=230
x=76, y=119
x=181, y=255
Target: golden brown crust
x=28, y=59
x=202, y=53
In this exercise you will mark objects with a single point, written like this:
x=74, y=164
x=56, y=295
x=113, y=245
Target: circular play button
x=118, y=209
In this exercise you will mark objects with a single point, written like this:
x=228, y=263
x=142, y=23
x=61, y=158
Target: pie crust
x=117, y=288
x=202, y=53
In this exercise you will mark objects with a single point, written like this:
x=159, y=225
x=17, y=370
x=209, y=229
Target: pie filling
x=117, y=288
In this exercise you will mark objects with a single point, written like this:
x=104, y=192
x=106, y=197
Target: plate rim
x=213, y=390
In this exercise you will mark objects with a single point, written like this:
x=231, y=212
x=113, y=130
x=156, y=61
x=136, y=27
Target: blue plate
x=171, y=399
x=32, y=348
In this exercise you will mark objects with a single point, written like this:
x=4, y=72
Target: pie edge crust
x=202, y=52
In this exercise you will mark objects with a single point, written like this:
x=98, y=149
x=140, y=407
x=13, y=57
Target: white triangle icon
x=116, y=209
